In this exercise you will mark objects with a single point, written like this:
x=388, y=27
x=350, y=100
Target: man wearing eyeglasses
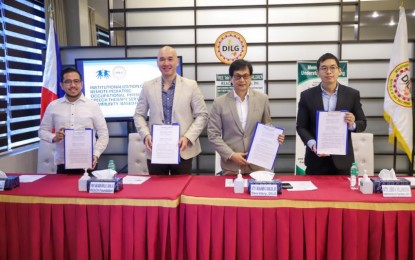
x=329, y=95
x=233, y=119
x=73, y=111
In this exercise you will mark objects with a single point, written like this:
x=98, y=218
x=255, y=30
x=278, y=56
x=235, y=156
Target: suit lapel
x=157, y=94
x=177, y=93
x=340, y=99
x=232, y=105
x=318, y=99
x=252, y=108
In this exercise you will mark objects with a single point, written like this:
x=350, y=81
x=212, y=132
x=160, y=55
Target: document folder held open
x=79, y=148
x=264, y=146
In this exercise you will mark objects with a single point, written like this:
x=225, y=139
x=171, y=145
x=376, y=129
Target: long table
x=50, y=219
x=332, y=222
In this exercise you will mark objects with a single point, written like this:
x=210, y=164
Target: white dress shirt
x=81, y=114
x=242, y=108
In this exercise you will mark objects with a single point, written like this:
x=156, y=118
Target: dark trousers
x=184, y=167
x=61, y=170
x=325, y=167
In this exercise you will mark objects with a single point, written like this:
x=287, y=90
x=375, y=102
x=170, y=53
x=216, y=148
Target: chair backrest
x=363, y=152
x=45, y=157
x=137, y=161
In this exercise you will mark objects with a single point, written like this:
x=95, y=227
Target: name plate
x=101, y=187
x=2, y=183
x=264, y=190
x=396, y=191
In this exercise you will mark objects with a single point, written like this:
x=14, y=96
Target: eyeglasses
x=238, y=77
x=69, y=82
x=326, y=69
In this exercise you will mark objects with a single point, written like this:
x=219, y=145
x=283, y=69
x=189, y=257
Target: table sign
x=396, y=191
x=9, y=183
x=263, y=190
x=275, y=182
x=101, y=187
x=379, y=183
x=116, y=185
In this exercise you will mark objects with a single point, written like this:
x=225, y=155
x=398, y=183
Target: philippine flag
x=51, y=73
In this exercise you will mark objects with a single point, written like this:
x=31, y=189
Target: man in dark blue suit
x=329, y=95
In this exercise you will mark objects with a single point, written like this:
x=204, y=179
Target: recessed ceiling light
x=413, y=13
x=392, y=23
x=375, y=14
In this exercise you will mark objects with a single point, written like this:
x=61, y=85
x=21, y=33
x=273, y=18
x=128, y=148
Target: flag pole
x=51, y=10
x=413, y=127
x=394, y=152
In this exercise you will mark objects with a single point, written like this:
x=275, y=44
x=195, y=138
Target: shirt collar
x=82, y=98
x=326, y=93
x=236, y=95
x=173, y=83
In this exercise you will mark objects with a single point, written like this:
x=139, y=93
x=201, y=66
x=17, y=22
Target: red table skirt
x=67, y=231
x=225, y=232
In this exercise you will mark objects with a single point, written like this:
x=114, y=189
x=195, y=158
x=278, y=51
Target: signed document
x=165, y=144
x=331, y=133
x=264, y=146
x=78, y=148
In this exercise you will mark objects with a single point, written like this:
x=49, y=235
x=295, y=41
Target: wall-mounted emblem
x=230, y=46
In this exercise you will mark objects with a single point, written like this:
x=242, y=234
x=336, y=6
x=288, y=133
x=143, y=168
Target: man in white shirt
x=73, y=111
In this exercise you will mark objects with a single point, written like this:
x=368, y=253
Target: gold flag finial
x=50, y=9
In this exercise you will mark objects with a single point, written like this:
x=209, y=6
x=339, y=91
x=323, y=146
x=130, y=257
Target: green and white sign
x=307, y=78
x=223, y=83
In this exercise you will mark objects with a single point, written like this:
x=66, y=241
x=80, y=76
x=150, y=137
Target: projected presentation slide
x=115, y=84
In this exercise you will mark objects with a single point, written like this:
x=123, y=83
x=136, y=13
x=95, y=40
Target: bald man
x=171, y=99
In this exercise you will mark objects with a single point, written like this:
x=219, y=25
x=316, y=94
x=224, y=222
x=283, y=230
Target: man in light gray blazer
x=171, y=99
x=233, y=119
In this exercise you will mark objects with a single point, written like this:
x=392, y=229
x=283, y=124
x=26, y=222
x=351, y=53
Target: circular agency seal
x=399, y=85
x=119, y=72
x=230, y=46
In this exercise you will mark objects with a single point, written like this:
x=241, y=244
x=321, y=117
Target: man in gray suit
x=171, y=99
x=233, y=119
x=329, y=95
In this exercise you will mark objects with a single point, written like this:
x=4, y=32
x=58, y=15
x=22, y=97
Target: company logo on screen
x=230, y=46
x=103, y=74
x=119, y=72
